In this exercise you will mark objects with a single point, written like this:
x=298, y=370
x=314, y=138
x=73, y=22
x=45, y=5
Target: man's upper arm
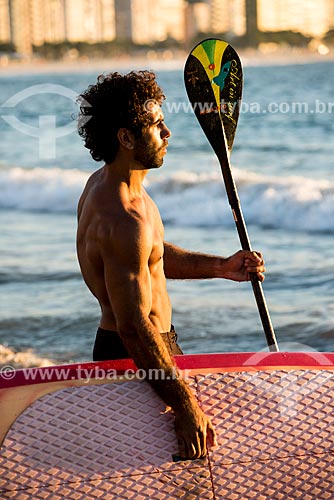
x=126, y=251
x=175, y=262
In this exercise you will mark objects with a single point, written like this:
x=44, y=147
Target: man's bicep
x=129, y=293
x=127, y=279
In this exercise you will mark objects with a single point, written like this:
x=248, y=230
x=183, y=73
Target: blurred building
x=309, y=17
x=236, y=17
x=171, y=16
x=5, y=35
x=197, y=19
x=228, y=16
x=47, y=21
x=89, y=20
x=149, y=21
x=33, y=22
x=21, y=25
x=251, y=15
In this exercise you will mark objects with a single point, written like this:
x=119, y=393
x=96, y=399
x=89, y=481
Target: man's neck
x=128, y=175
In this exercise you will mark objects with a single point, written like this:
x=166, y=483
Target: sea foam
x=186, y=198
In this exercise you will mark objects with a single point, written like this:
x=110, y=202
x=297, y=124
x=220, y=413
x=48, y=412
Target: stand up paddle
x=213, y=80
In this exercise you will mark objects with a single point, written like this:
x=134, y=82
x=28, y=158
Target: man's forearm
x=182, y=264
x=150, y=354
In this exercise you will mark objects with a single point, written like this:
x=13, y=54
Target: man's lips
x=164, y=147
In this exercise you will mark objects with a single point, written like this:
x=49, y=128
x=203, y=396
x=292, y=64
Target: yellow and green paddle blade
x=213, y=80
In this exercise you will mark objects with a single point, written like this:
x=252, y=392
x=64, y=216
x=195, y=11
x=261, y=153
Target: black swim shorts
x=108, y=345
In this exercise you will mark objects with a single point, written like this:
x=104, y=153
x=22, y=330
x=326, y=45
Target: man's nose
x=165, y=133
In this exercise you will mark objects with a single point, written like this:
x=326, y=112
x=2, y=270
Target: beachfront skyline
x=28, y=23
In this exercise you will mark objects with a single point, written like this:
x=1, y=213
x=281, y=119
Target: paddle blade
x=213, y=80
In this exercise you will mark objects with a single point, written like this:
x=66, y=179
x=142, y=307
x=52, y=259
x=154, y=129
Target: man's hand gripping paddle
x=213, y=80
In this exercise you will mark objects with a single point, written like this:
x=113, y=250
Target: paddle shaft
x=234, y=202
x=213, y=74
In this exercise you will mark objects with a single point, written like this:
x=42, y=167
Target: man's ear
x=126, y=138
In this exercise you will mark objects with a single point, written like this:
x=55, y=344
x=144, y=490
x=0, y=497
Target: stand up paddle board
x=93, y=430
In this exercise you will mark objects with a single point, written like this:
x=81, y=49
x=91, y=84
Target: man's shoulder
x=88, y=190
x=107, y=218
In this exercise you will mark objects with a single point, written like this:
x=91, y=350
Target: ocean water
x=283, y=167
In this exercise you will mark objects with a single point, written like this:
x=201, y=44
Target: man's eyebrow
x=158, y=120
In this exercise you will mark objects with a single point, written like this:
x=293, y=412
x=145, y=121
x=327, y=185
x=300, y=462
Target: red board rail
x=194, y=363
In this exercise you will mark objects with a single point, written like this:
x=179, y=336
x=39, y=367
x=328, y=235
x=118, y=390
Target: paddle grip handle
x=234, y=202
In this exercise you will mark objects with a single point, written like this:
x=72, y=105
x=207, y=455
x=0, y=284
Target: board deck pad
x=114, y=440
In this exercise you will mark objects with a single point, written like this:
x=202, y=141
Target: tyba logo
x=47, y=131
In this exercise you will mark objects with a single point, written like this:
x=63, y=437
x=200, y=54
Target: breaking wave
x=185, y=198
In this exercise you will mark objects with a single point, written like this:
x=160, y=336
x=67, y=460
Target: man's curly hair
x=115, y=101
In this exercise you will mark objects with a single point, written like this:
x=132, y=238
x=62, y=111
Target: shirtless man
x=121, y=249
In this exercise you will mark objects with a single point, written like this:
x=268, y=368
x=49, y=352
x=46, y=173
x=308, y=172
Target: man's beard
x=147, y=154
